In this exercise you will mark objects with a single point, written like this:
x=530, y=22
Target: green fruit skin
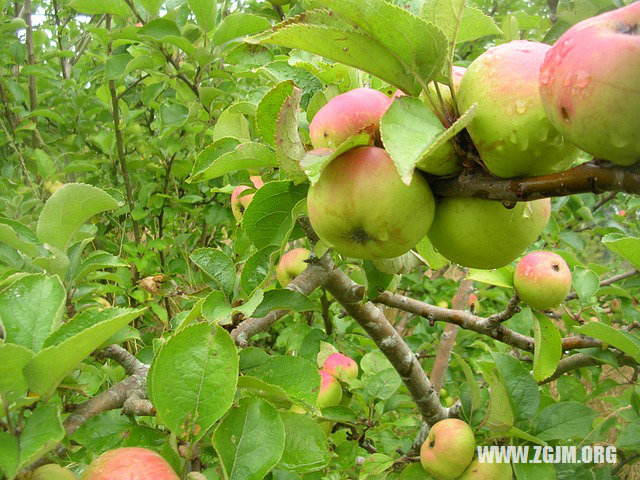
x=542, y=280
x=330, y=393
x=361, y=207
x=130, y=463
x=510, y=129
x=480, y=233
x=53, y=472
x=487, y=471
x=448, y=449
x=291, y=265
x=590, y=85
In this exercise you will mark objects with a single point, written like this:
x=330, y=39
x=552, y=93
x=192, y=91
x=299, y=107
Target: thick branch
x=311, y=278
x=580, y=360
x=118, y=354
x=592, y=177
x=373, y=321
x=507, y=313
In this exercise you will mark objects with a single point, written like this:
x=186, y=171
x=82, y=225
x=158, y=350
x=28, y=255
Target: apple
x=291, y=265
x=589, y=85
x=448, y=449
x=362, y=208
x=478, y=233
x=622, y=213
x=473, y=303
x=340, y=366
x=442, y=304
x=487, y=471
x=330, y=392
x=52, y=472
x=542, y=280
x=511, y=130
x=346, y=115
x=240, y=203
x=129, y=463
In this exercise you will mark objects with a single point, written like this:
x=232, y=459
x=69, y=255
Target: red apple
x=340, y=366
x=240, y=203
x=590, y=85
x=330, y=392
x=130, y=463
x=448, y=449
x=291, y=265
x=346, y=115
x=361, y=207
x=510, y=129
x=542, y=280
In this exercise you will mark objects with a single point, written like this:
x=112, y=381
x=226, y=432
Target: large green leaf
x=227, y=155
x=624, y=341
x=288, y=144
x=20, y=237
x=306, y=447
x=67, y=209
x=9, y=454
x=560, y=421
x=13, y=385
x=282, y=298
x=627, y=247
x=205, y=12
x=238, y=25
x=218, y=267
x=42, y=431
x=548, y=347
x=192, y=381
x=521, y=388
x=31, y=308
x=91, y=7
x=269, y=109
x=74, y=342
x=250, y=440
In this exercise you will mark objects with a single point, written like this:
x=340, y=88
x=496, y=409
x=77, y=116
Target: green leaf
x=67, y=209
x=9, y=454
x=271, y=393
x=447, y=14
x=250, y=440
x=227, y=155
x=627, y=247
x=91, y=7
x=173, y=115
x=257, y=268
x=13, y=385
x=98, y=260
x=306, y=448
x=624, y=341
x=159, y=29
x=218, y=267
x=193, y=379
x=314, y=161
x=31, y=308
x=103, y=432
x=72, y=344
x=282, y=298
x=238, y=25
x=585, y=282
x=216, y=308
x=474, y=386
x=564, y=420
x=501, y=277
x=476, y=24
x=231, y=124
x=269, y=110
x=413, y=471
x=320, y=33
x=152, y=6
x=116, y=66
x=377, y=281
x=382, y=384
x=521, y=388
x=501, y=416
x=268, y=219
x=288, y=144
x=42, y=432
x=20, y=237
x=534, y=471
x=548, y=347
x=296, y=376
x=629, y=437
x=426, y=250
x=205, y=12
x=375, y=465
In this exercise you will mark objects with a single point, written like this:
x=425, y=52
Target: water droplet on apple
x=582, y=79
x=545, y=75
x=521, y=106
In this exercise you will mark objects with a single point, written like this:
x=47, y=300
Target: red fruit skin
x=337, y=364
x=346, y=115
x=590, y=85
x=239, y=204
x=542, y=280
x=129, y=463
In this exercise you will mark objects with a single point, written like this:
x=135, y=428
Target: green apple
x=442, y=304
x=240, y=203
x=511, y=130
x=291, y=265
x=589, y=85
x=361, y=207
x=478, y=233
x=448, y=449
x=346, y=115
x=52, y=472
x=330, y=392
x=340, y=366
x=129, y=463
x=487, y=471
x=542, y=280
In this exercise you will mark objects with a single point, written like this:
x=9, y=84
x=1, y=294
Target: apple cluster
x=448, y=454
x=335, y=368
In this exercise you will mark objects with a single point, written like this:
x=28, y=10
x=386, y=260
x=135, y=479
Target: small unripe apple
x=622, y=213
x=361, y=207
x=448, y=449
x=442, y=304
x=330, y=392
x=240, y=203
x=340, y=366
x=480, y=233
x=129, y=463
x=589, y=85
x=52, y=472
x=487, y=471
x=542, y=280
x=346, y=115
x=510, y=129
x=291, y=265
